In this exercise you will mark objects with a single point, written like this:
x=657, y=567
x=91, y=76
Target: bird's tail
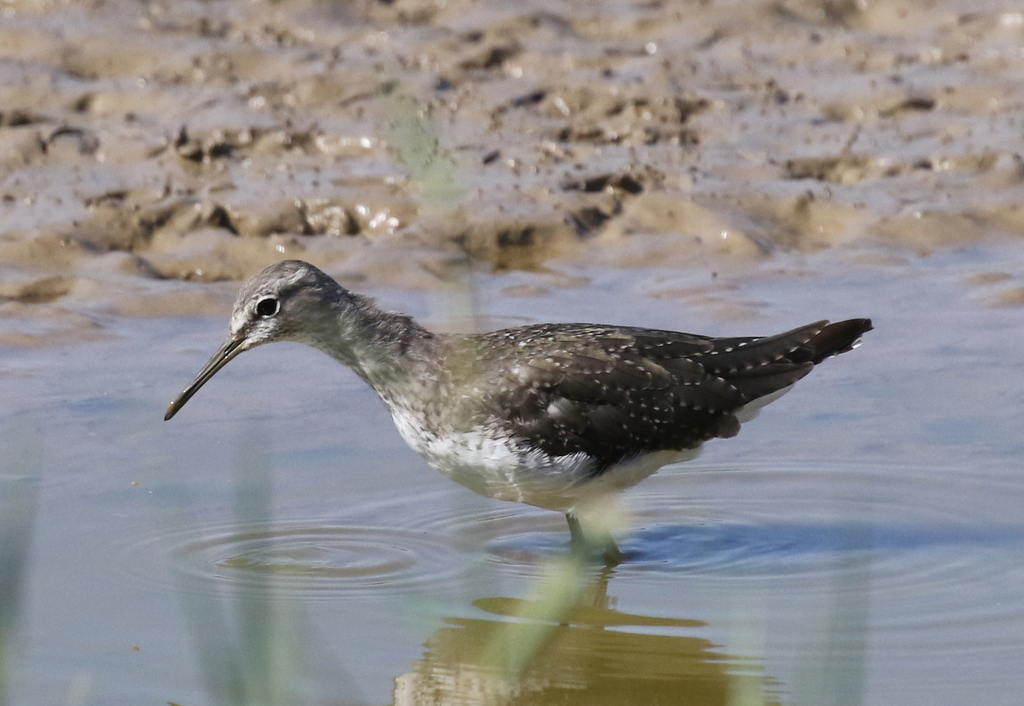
x=836, y=338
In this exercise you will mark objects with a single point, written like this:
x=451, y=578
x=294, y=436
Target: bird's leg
x=612, y=555
x=575, y=531
x=605, y=547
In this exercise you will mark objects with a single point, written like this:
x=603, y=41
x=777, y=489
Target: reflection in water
x=569, y=645
x=775, y=588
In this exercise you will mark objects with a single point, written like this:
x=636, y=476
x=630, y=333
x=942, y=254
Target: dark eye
x=266, y=308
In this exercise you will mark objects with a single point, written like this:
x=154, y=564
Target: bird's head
x=286, y=301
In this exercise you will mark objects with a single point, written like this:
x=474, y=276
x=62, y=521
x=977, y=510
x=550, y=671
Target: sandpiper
x=554, y=415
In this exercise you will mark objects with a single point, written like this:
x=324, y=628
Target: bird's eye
x=266, y=308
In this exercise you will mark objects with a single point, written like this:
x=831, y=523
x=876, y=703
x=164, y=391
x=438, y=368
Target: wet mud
x=145, y=146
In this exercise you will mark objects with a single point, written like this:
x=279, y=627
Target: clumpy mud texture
x=142, y=144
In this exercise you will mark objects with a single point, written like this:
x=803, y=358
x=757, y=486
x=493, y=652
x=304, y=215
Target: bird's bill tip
x=175, y=406
x=229, y=350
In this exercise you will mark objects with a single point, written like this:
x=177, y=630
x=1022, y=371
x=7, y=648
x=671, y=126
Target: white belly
x=498, y=469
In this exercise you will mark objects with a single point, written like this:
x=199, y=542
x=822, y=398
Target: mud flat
x=145, y=145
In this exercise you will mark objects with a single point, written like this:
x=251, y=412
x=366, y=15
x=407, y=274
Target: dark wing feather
x=603, y=392
x=615, y=392
x=759, y=366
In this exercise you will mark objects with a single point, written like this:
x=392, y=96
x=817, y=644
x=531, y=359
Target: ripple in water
x=914, y=531
x=938, y=554
x=302, y=558
x=797, y=521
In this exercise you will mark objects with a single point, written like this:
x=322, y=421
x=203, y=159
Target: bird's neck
x=381, y=347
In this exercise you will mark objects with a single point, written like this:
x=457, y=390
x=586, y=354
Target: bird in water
x=559, y=416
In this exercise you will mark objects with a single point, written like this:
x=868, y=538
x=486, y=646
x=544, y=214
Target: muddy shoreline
x=142, y=145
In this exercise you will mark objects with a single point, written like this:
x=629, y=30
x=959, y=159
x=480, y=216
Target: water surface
x=861, y=540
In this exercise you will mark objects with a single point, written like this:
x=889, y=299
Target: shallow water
x=859, y=542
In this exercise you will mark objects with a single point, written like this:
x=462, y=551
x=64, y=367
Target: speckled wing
x=759, y=366
x=616, y=392
x=612, y=393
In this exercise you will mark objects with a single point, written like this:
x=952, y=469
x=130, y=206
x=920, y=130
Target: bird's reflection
x=568, y=644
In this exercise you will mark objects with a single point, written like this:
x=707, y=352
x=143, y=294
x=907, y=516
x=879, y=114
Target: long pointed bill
x=229, y=350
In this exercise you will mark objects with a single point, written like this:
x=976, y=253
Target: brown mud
x=144, y=144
